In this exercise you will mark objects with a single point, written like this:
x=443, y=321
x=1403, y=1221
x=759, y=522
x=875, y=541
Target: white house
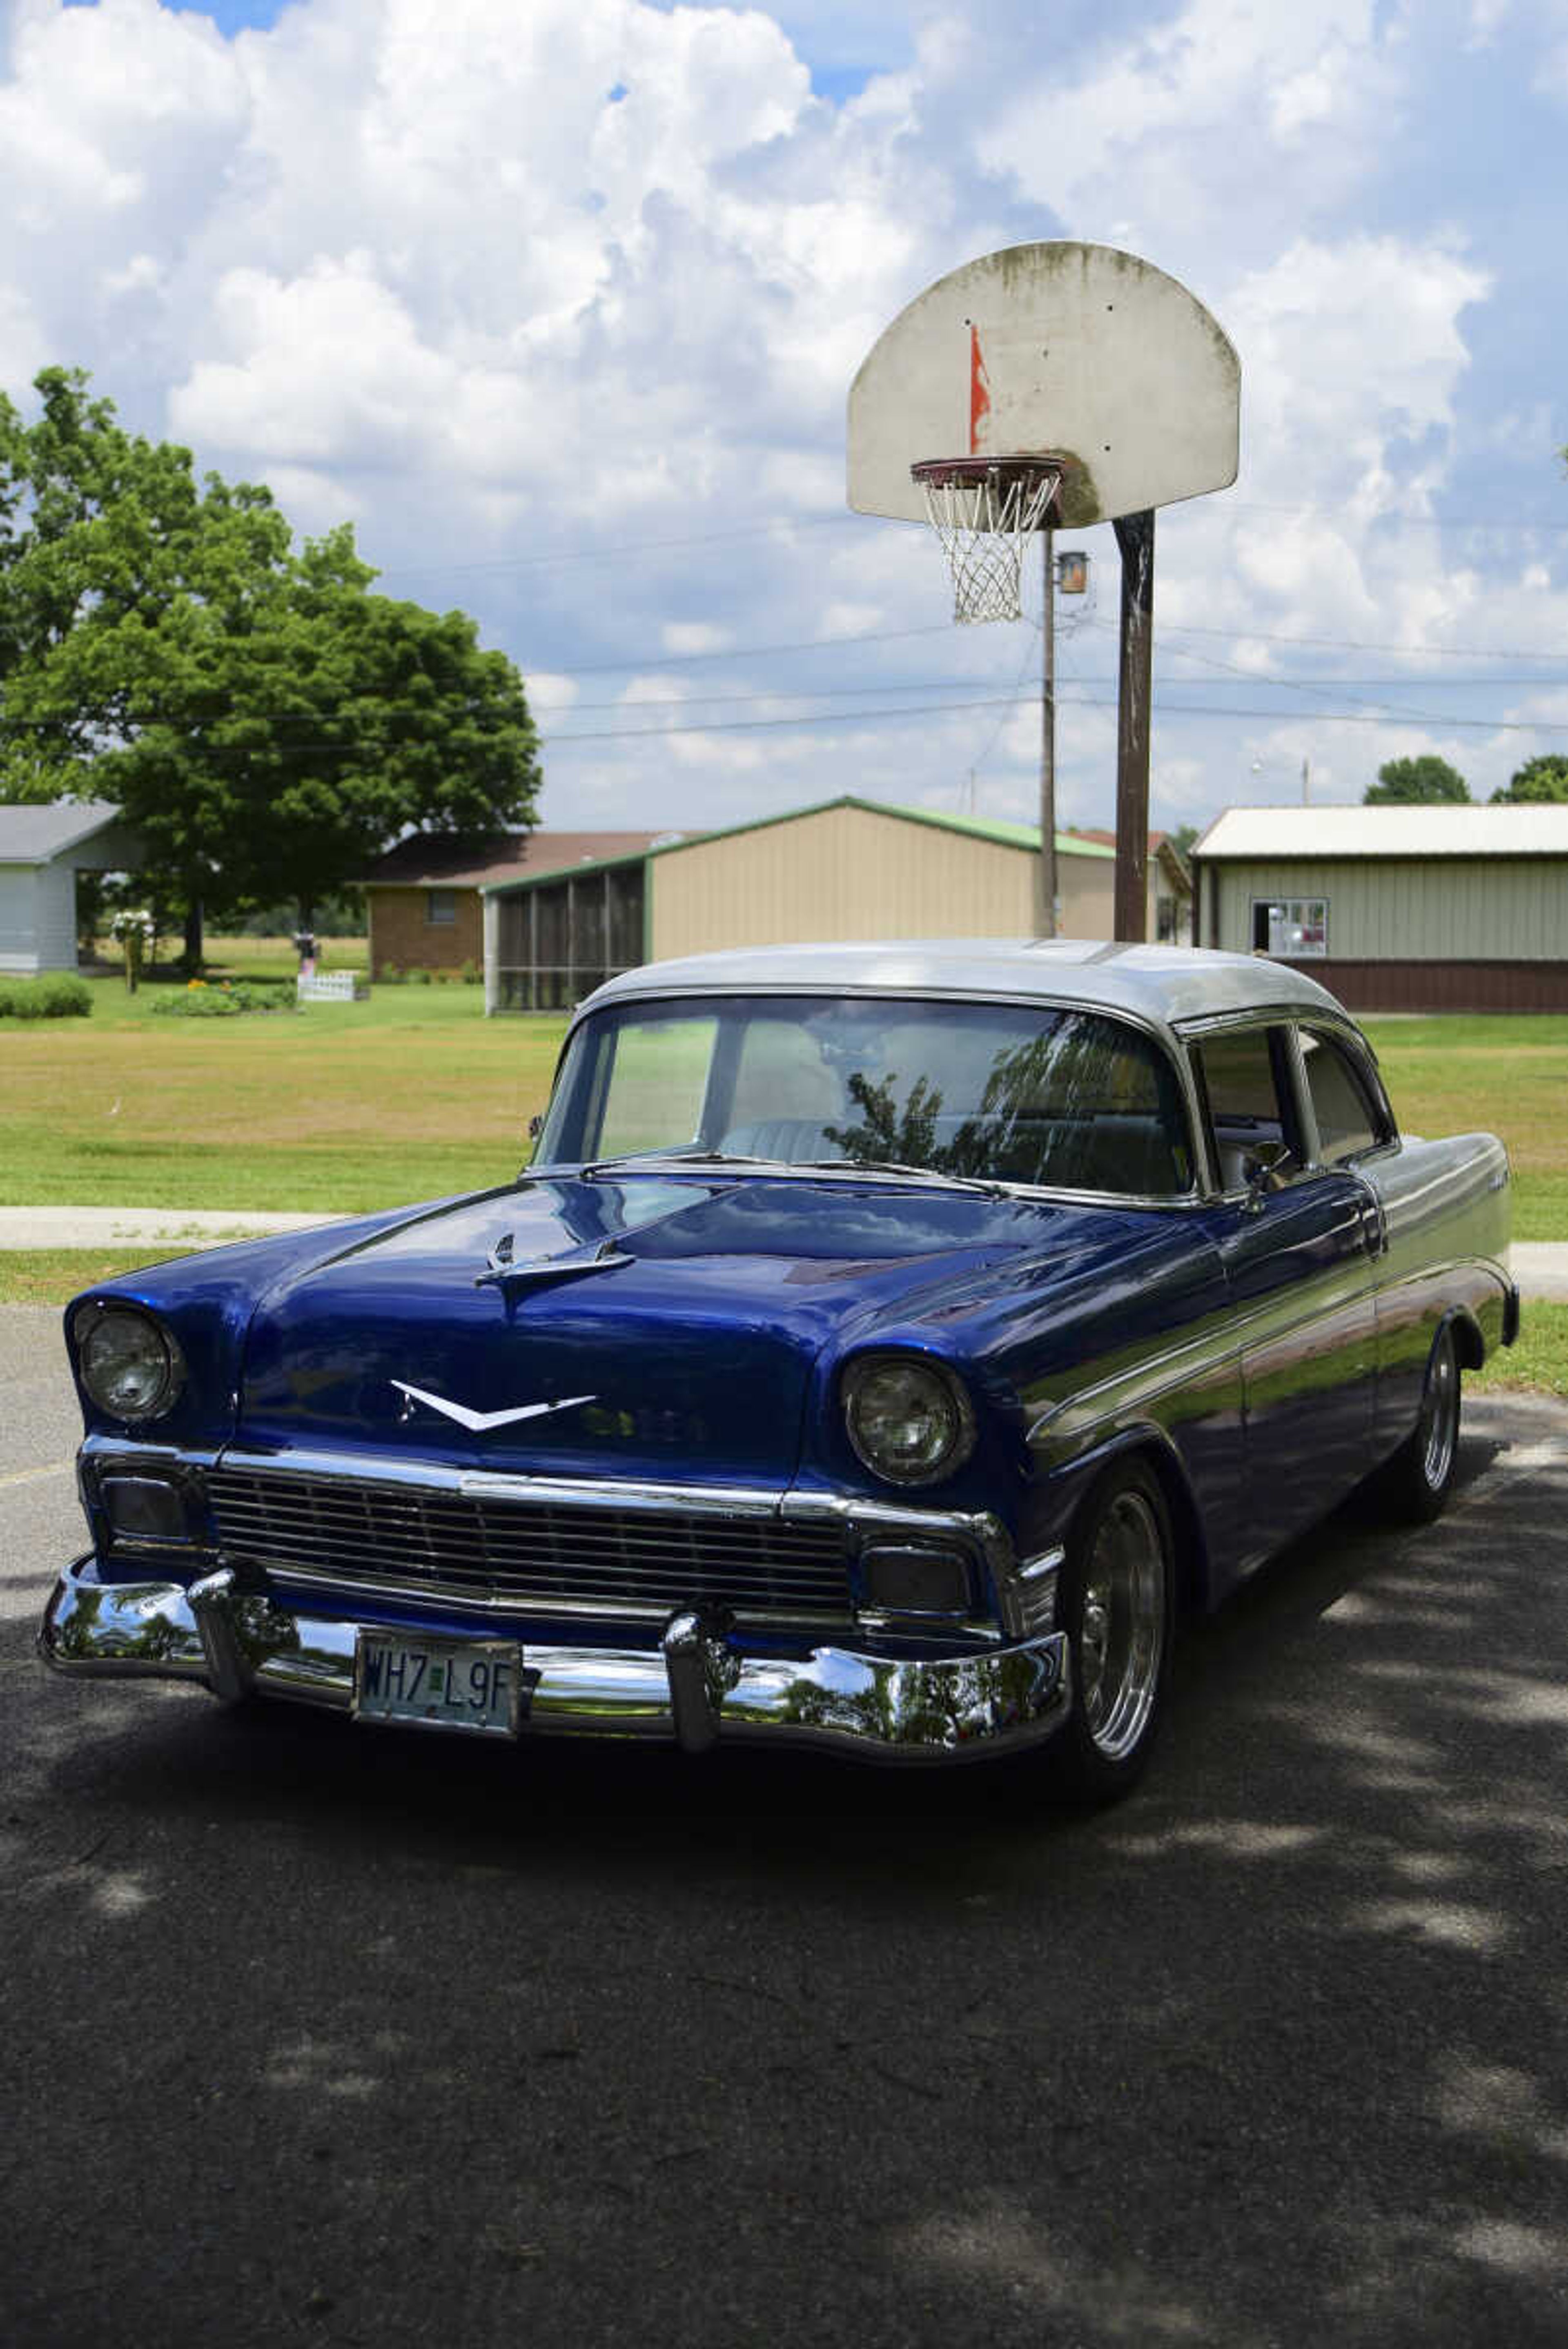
x=42, y=850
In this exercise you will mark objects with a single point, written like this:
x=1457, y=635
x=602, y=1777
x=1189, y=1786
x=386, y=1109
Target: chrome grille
x=432, y=1543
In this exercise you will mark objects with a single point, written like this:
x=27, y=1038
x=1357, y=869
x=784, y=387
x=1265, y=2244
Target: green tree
x=1409, y=781
x=265, y=721
x=1544, y=778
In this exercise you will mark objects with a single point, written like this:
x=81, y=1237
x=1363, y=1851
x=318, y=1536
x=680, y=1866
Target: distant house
x=42, y=850
x=1170, y=920
x=1435, y=908
x=423, y=896
x=847, y=868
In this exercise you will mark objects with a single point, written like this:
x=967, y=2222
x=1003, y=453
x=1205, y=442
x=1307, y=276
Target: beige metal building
x=1440, y=909
x=849, y=868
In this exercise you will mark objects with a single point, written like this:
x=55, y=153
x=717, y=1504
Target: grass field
x=339, y=1106
x=414, y=1093
x=1505, y=1075
x=255, y=958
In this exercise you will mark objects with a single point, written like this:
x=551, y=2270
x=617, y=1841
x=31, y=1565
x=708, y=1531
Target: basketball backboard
x=1070, y=348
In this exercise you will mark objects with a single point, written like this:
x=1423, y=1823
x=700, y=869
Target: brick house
x=422, y=897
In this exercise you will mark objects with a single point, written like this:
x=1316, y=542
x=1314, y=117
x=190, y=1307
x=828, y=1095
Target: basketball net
x=983, y=516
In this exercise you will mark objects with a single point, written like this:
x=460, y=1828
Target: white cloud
x=695, y=636
x=534, y=289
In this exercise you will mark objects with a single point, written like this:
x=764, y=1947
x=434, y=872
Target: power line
x=942, y=708
x=772, y=526
x=348, y=738
x=621, y=550
x=1351, y=644
x=747, y=652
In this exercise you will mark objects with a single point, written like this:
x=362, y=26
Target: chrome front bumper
x=694, y=1687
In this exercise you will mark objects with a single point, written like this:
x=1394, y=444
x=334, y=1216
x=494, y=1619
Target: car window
x=1248, y=1093
x=654, y=1079
x=1347, y=1121
x=1012, y=1092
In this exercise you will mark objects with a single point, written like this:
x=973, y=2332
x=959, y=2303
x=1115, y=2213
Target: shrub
x=471, y=975
x=416, y=977
x=56, y=996
x=199, y=1000
x=391, y=975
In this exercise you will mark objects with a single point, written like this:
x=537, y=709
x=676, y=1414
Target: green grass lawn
x=266, y=958
x=1504, y=1073
x=339, y=1106
x=1539, y=1358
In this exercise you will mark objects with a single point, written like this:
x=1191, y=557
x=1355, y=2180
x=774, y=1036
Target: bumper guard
x=697, y=1686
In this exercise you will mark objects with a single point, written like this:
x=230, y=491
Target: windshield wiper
x=678, y=1156
x=987, y=1186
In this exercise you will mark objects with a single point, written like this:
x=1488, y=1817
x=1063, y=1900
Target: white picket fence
x=332, y=987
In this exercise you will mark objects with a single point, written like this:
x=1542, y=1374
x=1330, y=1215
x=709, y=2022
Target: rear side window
x=1348, y=1120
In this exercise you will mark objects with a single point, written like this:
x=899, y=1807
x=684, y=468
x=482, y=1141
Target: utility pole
x=1135, y=538
x=1045, y=868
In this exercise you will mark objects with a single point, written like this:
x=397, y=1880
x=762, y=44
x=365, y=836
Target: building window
x=1165, y=919
x=441, y=908
x=1294, y=929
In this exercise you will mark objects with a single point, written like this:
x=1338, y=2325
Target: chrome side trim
x=698, y=1685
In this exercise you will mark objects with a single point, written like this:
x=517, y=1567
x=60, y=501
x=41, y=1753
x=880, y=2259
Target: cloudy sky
x=559, y=302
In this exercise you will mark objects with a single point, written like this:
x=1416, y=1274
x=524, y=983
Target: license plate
x=473, y=1684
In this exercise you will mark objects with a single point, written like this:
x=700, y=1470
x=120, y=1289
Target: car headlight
x=129, y=1363
x=909, y=1419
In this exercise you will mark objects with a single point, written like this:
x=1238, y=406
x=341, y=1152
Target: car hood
x=653, y=1327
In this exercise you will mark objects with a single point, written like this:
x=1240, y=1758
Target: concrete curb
x=117, y=1227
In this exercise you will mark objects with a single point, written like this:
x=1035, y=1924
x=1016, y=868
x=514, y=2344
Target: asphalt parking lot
x=315, y=2033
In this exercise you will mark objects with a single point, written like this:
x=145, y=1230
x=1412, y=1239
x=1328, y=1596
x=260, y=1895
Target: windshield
x=1001, y=1092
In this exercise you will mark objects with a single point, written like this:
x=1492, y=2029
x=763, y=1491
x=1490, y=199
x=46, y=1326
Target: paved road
x=316, y=2035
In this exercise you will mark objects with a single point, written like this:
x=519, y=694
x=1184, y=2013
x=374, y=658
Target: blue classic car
x=885, y=1347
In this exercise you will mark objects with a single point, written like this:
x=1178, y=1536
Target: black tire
x=1118, y=1608
x=1416, y=1483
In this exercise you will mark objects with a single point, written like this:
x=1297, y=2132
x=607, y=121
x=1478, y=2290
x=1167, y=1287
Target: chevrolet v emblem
x=476, y=1422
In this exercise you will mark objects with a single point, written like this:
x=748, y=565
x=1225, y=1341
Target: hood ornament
x=569, y=1264
x=477, y=1421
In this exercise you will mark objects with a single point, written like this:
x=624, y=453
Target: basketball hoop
x=982, y=510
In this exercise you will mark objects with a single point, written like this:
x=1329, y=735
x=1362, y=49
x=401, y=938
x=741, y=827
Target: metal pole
x=1135, y=538
x=1046, y=870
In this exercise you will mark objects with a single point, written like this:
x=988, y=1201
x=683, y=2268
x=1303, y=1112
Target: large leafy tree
x=266, y=721
x=1407, y=781
x=1544, y=778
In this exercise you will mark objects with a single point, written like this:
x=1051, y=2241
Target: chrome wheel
x=1437, y=1431
x=1121, y=1624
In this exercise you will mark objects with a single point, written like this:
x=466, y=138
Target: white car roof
x=1162, y=985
